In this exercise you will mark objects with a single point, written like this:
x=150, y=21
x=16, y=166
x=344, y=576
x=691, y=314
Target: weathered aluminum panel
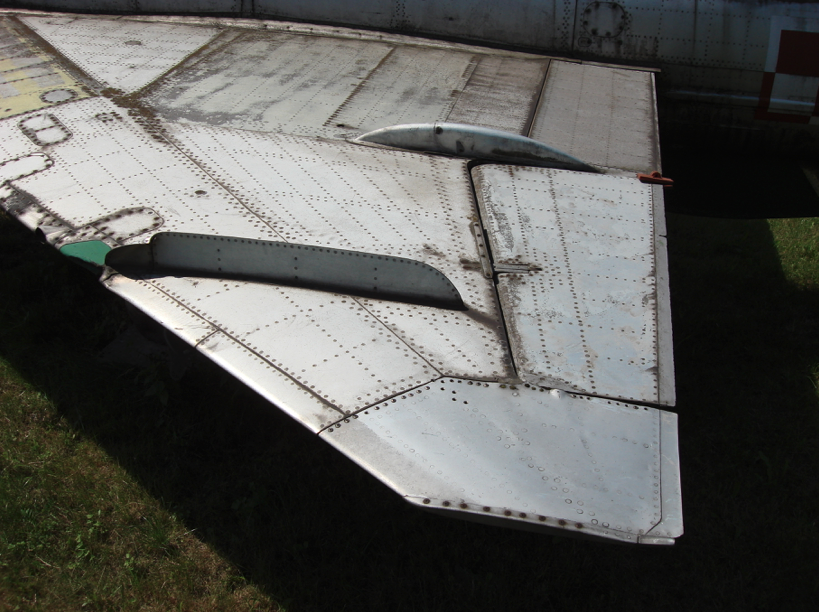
x=517, y=22
x=544, y=459
x=323, y=193
x=671, y=525
x=334, y=86
x=122, y=54
x=322, y=341
x=502, y=93
x=717, y=33
x=246, y=364
x=30, y=77
x=317, y=85
x=602, y=115
x=116, y=170
x=273, y=83
x=547, y=25
x=280, y=188
x=158, y=304
x=341, y=195
x=15, y=169
x=412, y=85
x=292, y=397
x=667, y=389
x=587, y=320
x=13, y=142
x=111, y=163
x=116, y=228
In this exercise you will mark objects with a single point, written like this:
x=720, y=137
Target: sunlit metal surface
x=342, y=195
x=616, y=131
x=15, y=169
x=721, y=58
x=585, y=318
x=336, y=87
x=246, y=129
x=125, y=55
x=535, y=457
x=328, y=344
x=474, y=142
x=30, y=79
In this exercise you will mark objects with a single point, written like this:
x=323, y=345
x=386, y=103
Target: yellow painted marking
x=29, y=76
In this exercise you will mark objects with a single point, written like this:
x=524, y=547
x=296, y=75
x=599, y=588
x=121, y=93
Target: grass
x=797, y=242
x=122, y=489
x=79, y=530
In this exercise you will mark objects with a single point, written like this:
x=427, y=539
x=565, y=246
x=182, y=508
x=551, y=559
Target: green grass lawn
x=123, y=489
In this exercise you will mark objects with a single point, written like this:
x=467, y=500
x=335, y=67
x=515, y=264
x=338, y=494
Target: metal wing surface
x=222, y=146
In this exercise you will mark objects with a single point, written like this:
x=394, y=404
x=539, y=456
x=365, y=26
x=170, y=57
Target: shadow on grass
x=316, y=533
x=737, y=185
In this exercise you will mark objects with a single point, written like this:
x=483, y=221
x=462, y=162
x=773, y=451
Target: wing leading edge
x=514, y=409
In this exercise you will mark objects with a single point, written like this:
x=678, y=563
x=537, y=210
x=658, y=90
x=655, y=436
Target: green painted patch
x=91, y=251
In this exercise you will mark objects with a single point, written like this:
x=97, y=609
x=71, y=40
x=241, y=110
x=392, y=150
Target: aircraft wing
x=435, y=256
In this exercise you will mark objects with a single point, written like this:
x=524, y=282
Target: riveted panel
x=334, y=86
x=715, y=34
x=515, y=22
x=126, y=55
x=587, y=319
x=542, y=458
x=116, y=228
x=602, y=115
x=412, y=85
x=321, y=340
x=501, y=93
x=275, y=82
x=341, y=195
x=247, y=136
x=231, y=353
x=292, y=397
x=112, y=163
x=30, y=77
x=183, y=322
x=15, y=169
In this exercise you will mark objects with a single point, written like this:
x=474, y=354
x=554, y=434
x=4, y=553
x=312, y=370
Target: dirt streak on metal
x=42, y=44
